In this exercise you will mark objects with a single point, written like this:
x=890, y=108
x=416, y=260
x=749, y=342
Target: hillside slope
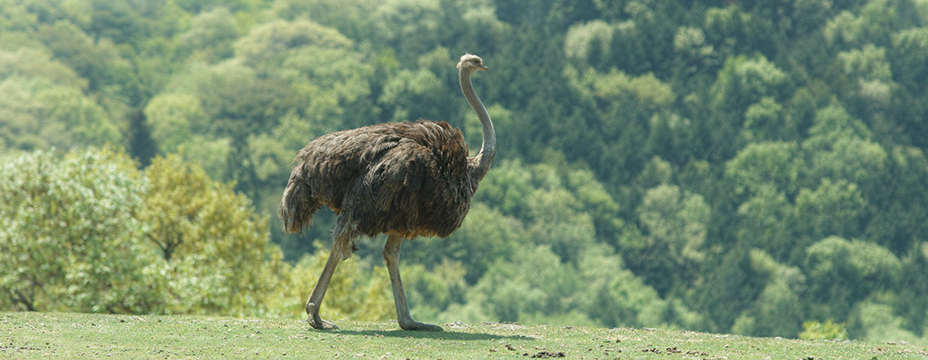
x=70, y=335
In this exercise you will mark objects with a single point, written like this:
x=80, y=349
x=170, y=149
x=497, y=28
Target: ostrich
x=400, y=179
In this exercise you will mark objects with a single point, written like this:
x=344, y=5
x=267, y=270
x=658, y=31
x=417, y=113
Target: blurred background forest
x=740, y=167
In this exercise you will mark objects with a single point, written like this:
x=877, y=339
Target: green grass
x=69, y=336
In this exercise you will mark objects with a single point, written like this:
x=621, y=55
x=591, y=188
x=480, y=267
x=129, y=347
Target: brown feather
x=405, y=179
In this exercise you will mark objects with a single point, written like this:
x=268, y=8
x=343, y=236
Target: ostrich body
x=400, y=179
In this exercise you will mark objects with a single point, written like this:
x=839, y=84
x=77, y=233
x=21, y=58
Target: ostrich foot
x=315, y=321
x=320, y=324
x=417, y=326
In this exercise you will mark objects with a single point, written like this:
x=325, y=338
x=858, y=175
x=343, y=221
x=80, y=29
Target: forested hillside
x=726, y=166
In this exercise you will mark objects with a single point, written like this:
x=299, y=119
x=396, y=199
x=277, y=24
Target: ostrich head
x=472, y=63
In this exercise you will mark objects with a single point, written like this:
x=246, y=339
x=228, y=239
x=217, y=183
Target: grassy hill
x=68, y=335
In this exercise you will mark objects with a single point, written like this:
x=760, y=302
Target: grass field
x=88, y=336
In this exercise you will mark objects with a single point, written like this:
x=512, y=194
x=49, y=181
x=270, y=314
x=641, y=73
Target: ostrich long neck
x=480, y=163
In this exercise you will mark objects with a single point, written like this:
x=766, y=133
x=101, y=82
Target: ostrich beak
x=483, y=67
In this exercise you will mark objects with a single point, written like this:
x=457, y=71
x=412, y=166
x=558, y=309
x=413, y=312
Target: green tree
x=872, y=23
x=409, y=25
x=906, y=55
x=814, y=330
x=741, y=83
x=673, y=230
x=871, y=72
x=617, y=297
x=897, y=216
x=16, y=16
x=537, y=287
x=875, y=320
x=211, y=35
x=44, y=105
x=908, y=61
x=278, y=37
x=589, y=43
x=839, y=147
x=730, y=290
x=485, y=237
x=910, y=303
x=745, y=81
x=415, y=94
x=765, y=121
x=840, y=273
x=777, y=310
x=518, y=206
x=352, y=18
x=834, y=208
x=237, y=103
x=733, y=31
x=176, y=120
x=98, y=62
x=768, y=221
x=69, y=238
x=217, y=251
x=625, y=110
x=777, y=165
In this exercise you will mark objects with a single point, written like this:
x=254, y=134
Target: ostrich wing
x=406, y=179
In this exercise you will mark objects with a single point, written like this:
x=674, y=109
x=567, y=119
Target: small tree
x=815, y=330
x=69, y=239
x=219, y=258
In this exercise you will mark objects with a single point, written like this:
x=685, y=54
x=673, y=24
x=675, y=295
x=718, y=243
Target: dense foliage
x=755, y=168
x=90, y=233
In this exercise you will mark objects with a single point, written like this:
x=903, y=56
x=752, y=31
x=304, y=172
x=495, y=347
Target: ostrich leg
x=391, y=255
x=315, y=299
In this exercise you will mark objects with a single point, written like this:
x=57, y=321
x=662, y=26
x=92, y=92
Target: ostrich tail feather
x=297, y=206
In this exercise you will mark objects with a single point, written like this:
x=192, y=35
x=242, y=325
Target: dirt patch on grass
x=546, y=354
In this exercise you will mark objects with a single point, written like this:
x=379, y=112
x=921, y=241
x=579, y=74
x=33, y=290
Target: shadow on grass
x=444, y=335
x=448, y=334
